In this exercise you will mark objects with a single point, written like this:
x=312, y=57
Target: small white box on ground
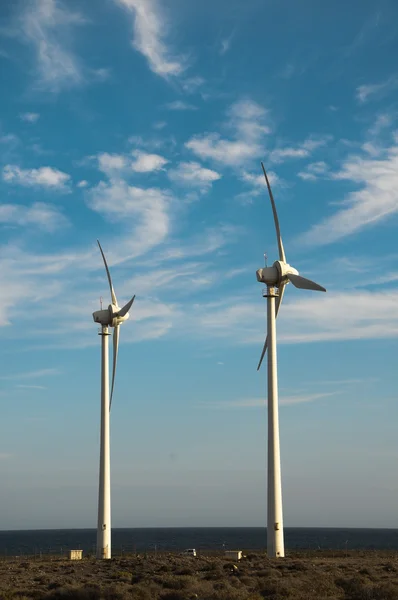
x=233, y=554
x=75, y=554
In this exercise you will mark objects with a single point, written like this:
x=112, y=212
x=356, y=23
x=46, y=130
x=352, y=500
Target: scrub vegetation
x=321, y=575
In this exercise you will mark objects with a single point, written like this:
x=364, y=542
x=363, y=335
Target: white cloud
x=192, y=84
x=151, y=143
x=341, y=316
x=280, y=154
x=31, y=387
x=101, y=74
x=10, y=139
x=63, y=281
x=304, y=318
x=31, y=374
x=225, y=44
x=82, y=184
x=313, y=171
x=116, y=165
x=262, y=402
x=180, y=105
x=147, y=209
x=45, y=24
x=374, y=201
x=257, y=183
x=150, y=29
x=246, y=119
x=43, y=216
x=111, y=163
x=193, y=174
x=383, y=121
x=43, y=176
x=29, y=117
x=179, y=279
x=146, y=163
x=223, y=151
x=376, y=90
x=303, y=150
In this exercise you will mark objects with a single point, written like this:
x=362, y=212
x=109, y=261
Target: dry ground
x=301, y=576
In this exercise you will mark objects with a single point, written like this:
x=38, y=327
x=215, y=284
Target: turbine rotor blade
x=277, y=305
x=113, y=295
x=115, y=351
x=123, y=311
x=304, y=284
x=282, y=256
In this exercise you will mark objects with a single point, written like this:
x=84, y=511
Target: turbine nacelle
x=103, y=317
x=275, y=275
x=110, y=317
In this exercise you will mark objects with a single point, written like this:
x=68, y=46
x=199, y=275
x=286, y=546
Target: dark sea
x=53, y=541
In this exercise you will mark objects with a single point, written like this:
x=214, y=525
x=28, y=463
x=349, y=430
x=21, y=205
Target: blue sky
x=143, y=123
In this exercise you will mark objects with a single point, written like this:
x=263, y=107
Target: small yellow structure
x=75, y=554
x=233, y=554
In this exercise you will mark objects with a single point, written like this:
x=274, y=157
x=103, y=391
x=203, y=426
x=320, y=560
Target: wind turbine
x=113, y=316
x=277, y=276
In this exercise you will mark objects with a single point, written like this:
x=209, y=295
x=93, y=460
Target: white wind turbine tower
x=277, y=276
x=113, y=316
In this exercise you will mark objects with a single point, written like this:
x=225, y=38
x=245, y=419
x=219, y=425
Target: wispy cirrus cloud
x=303, y=150
x=383, y=121
x=257, y=184
x=43, y=216
x=31, y=387
x=313, y=171
x=249, y=403
x=44, y=24
x=31, y=374
x=150, y=29
x=225, y=44
x=180, y=105
x=48, y=27
x=61, y=282
x=309, y=318
x=9, y=139
x=374, y=201
x=190, y=85
x=182, y=277
x=341, y=316
x=367, y=92
x=47, y=177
